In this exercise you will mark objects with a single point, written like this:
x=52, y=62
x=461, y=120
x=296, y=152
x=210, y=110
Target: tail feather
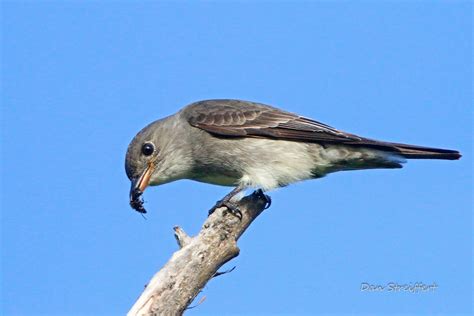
x=417, y=152
x=373, y=154
x=408, y=151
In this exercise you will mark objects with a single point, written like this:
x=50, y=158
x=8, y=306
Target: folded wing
x=235, y=118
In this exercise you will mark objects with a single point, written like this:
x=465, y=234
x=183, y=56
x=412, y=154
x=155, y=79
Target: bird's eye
x=148, y=149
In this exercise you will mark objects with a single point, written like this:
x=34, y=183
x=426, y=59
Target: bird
x=250, y=145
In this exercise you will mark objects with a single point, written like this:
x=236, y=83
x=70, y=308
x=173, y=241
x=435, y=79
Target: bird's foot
x=231, y=208
x=268, y=200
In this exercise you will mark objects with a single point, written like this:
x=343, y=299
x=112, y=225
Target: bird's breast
x=217, y=179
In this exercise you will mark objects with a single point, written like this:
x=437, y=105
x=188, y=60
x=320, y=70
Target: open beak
x=138, y=187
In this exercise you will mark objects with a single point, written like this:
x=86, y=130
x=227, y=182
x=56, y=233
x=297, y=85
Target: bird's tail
x=418, y=152
x=374, y=154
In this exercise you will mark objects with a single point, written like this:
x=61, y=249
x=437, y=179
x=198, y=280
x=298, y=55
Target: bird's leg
x=226, y=202
x=267, y=198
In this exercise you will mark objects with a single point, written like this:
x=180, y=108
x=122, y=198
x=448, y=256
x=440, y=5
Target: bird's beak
x=142, y=182
x=138, y=187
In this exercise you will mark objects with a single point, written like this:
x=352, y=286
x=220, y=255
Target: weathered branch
x=176, y=285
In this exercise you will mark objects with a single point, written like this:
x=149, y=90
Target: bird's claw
x=231, y=208
x=268, y=200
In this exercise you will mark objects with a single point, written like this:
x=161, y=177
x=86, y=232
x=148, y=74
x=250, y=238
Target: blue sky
x=79, y=79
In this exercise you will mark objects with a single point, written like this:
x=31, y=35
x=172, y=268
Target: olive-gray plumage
x=247, y=144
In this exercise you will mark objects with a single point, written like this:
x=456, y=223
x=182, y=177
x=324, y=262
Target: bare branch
x=176, y=285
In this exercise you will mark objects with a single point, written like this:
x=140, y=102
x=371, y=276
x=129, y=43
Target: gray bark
x=175, y=286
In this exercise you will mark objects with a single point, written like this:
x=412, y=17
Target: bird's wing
x=234, y=118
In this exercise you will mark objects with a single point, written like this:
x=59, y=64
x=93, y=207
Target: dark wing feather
x=235, y=118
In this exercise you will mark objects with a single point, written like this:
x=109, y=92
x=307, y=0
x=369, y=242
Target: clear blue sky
x=79, y=79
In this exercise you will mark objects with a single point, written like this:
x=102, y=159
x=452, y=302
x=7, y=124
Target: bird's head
x=157, y=154
x=143, y=161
